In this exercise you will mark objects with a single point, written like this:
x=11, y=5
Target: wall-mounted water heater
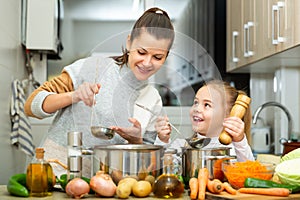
x=42, y=24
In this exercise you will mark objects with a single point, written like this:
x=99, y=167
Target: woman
x=116, y=83
x=209, y=115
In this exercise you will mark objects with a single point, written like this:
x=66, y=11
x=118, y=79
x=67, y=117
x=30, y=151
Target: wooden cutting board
x=225, y=195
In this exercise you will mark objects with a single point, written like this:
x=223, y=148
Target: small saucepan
x=288, y=145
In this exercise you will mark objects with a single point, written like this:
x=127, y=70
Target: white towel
x=21, y=128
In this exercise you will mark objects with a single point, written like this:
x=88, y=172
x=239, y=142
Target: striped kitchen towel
x=21, y=128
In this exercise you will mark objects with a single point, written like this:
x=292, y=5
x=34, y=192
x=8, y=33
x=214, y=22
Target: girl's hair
x=156, y=22
x=230, y=93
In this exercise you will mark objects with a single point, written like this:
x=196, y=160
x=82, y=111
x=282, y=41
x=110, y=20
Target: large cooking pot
x=132, y=159
x=193, y=159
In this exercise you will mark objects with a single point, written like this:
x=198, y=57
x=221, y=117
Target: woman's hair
x=154, y=21
x=230, y=93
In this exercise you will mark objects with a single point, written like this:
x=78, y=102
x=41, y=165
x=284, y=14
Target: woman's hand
x=132, y=134
x=85, y=93
x=235, y=127
x=163, y=129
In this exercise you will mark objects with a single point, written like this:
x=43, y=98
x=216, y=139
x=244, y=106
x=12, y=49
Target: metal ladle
x=193, y=141
x=100, y=131
x=198, y=143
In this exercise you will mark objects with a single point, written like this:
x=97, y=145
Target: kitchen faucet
x=271, y=103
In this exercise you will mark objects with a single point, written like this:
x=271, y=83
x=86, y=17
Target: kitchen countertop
x=4, y=195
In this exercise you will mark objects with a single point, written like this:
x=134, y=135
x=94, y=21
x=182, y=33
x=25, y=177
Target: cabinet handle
x=274, y=9
x=246, y=28
x=234, y=36
x=250, y=53
x=280, y=4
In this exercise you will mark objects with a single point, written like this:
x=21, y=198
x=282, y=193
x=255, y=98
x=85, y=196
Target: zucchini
x=17, y=185
x=260, y=183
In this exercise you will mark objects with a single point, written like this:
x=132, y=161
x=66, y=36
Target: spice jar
x=168, y=185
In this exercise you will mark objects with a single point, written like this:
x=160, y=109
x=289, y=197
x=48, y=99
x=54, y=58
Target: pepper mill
x=238, y=110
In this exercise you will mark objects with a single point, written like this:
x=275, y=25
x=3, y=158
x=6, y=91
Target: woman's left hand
x=132, y=134
x=235, y=127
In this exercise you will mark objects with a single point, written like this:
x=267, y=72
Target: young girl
x=209, y=115
x=117, y=84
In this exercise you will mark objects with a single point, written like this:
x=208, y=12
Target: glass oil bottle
x=39, y=177
x=168, y=185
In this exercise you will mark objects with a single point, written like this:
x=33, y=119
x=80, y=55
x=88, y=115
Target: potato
x=150, y=179
x=142, y=174
x=123, y=190
x=128, y=180
x=116, y=176
x=141, y=188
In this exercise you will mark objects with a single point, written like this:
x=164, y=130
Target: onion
x=77, y=188
x=103, y=184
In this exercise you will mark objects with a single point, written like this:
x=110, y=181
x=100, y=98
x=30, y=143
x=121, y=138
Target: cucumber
x=259, y=183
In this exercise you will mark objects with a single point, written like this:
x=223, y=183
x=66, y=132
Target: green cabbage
x=288, y=171
x=291, y=155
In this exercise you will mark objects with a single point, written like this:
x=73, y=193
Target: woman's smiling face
x=207, y=113
x=146, y=55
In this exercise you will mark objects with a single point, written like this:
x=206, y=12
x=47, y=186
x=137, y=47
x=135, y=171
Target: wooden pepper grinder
x=238, y=110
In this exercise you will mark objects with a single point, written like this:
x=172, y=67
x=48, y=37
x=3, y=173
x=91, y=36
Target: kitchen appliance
x=261, y=139
x=193, y=159
x=128, y=160
x=41, y=26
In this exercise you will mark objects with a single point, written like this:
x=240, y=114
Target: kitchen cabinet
x=260, y=29
x=244, y=32
x=297, y=22
x=234, y=39
x=279, y=23
x=252, y=29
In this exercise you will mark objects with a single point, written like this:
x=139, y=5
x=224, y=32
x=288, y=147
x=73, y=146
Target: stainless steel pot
x=194, y=159
x=131, y=159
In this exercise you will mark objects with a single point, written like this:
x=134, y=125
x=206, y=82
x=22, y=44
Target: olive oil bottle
x=39, y=177
x=168, y=185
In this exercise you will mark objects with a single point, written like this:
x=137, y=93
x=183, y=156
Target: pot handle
x=219, y=157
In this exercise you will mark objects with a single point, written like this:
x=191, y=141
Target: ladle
x=193, y=141
x=100, y=131
x=198, y=143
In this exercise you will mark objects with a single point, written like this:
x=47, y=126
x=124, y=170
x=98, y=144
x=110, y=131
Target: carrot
x=202, y=182
x=193, y=183
x=229, y=189
x=238, y=172
x=282, y=192
x=215, y=186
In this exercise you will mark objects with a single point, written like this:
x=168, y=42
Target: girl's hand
x=85, y=93
x=163, y=129
x=235, y=127
x=132, y=134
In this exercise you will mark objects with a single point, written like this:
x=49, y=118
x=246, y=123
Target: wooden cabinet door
x=286, y=23
x=253, y=30
x=296, y=22
x=234, y=23
x=280, y=25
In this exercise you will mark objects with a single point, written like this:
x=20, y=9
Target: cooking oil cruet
x=39, y=177
x=168, y=184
